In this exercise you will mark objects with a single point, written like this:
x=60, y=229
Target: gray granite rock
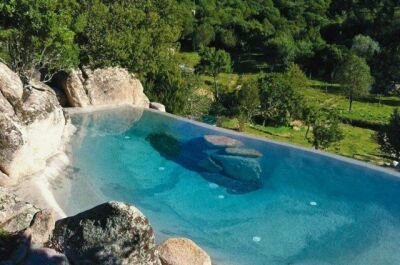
x=111, y=233
x=15, y=214
x=41, y=228
x=240, y=168
x=106, y=86
x=208, y=164
x=182, y=251
x=32, y=124
x=45, y=256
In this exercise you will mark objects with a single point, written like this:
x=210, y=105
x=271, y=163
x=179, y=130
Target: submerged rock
x=243, y=152
x=167, y=145
x=209, y=165
x=32, y=123
x=108, y=86
x=182, y=251
x=240, y=168
x=219, y=141
x=111, y=233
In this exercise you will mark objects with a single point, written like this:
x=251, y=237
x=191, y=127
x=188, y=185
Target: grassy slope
x=358, y=143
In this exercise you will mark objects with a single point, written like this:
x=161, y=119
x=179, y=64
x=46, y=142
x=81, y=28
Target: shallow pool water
x=307, y=208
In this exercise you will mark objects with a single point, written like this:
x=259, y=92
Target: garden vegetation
x=265, y=63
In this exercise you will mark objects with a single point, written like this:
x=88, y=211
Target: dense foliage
x=389, y=137
x=355, y=78
x=280, y=103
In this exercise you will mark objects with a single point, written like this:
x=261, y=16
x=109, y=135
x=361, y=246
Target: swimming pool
x=258, y=203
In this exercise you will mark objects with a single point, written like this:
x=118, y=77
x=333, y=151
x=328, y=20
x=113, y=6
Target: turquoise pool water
x=307, y=208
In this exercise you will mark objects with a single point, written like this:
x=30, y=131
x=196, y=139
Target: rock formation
x=229, y=157
x=182, y=251
x=111, y=233
x=15, y=214
x=32, y=124
x=157, y=106
x=99, y=87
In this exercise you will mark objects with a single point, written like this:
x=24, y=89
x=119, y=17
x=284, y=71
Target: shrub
x=279, y=101
x=326, y=130
x=389, y=136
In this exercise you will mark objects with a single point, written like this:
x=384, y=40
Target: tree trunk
x=216, y=87
x=308, y=130
x=350, y=103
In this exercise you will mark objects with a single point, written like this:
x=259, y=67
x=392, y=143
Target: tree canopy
x=355, y=78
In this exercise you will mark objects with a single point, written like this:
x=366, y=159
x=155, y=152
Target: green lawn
x=358, y=143
x=372, y=109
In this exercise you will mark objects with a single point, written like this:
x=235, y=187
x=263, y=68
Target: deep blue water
x=307, y=208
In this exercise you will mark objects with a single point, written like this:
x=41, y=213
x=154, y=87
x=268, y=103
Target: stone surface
x=15, y=215
x=108, y=86
x=41, y=228
x=208, y=164
x=45, y=256
x=32, y=123
x=218, y=141
x=182, y=251
x=243, y=152
x=111, y=233
x=240, y=168
x=157, y=106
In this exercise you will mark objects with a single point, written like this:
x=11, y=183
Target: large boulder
x=240, y=168
x=108, y=86
x=111, y=233
x=32, y=124
x=182, y=251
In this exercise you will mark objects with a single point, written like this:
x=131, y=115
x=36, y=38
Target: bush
x=248, y=100
x=389, y=136
x=296, y=76
x=172, y=87
x=280, y=104
x=326, y=130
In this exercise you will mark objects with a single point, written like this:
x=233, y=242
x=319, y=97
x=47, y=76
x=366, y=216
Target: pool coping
x=390, y=171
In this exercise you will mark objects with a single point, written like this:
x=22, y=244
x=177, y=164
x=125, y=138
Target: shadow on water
x=189, y=154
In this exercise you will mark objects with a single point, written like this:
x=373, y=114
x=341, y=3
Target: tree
x=213, y=62
x=140, y=35
x=203, y=35
x=365, y=46
x=171, y=86
x=296, y=76
x=279, y=101
x=354, y=77
x=37, y=36
x=325, y=129
x=248, y=99
x=389, y=136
